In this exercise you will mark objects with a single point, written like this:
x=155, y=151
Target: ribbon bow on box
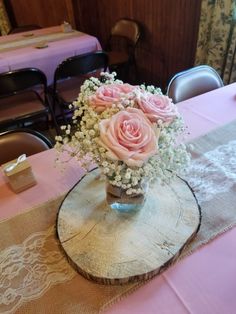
x=12, y=166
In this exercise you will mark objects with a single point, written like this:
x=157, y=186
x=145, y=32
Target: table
x=19, y=51
x=194, y=285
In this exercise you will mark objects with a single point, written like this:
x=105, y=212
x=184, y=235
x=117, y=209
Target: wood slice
x=113, y=248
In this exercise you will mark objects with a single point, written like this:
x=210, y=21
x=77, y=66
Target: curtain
x=5, y=25
x=217, y=38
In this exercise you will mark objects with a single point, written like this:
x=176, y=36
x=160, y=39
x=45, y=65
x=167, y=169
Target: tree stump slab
x=113, y=248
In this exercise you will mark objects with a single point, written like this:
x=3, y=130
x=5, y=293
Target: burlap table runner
x=35, y=40
x=35, y=275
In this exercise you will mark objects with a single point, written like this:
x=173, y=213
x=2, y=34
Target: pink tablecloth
x=203, y=282
x=48, y=58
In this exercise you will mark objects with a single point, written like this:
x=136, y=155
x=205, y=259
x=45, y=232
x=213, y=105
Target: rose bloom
x=157, y=107
x=107, y=95
x=128, y=136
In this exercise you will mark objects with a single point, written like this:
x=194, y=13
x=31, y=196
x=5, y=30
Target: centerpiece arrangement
x=131, y=132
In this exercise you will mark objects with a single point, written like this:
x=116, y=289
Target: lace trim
x=214, y=172
x=29, y=269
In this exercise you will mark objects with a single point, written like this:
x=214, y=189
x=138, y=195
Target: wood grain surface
x=113, y=248
x=43, y=13
x=169, y=31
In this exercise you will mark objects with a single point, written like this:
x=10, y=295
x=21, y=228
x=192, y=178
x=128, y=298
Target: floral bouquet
x=130, y=132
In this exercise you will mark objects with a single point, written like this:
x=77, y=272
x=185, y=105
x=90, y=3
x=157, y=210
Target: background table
x=194, y=285
x=48, y=58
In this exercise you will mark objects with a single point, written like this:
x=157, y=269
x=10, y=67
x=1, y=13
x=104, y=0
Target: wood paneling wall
x=169, y=32
x=169, y=28
x=41, y=12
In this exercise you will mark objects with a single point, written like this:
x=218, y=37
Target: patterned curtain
x=217, y=37
x=5, y=25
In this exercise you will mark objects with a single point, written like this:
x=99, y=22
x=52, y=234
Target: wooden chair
x=193, y=82
x=23, y=97
x=14, y=143
x=121, y=47
x=70, y=75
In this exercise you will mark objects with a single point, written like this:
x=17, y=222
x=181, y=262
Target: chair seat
x=68, y=90
x=19, y=106
x=118, y=57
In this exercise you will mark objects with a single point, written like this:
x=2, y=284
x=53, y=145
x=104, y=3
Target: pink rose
x=157, y=107
x=107, y=95
x=128, y=136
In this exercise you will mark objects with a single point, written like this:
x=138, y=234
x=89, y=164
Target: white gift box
x=19, y=174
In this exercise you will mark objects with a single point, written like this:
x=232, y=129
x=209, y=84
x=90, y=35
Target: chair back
x=193, y=82
x=80, y=65
x=126, y=28
x=16, y=142
x=16, y=81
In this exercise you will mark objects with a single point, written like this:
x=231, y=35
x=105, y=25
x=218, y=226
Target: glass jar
x=119, y=200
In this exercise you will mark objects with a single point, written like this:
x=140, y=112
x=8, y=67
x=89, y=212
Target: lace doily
x=214, y=172
x=29, y=269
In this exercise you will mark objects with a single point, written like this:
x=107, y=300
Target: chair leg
x=58, y=130
x=57, y=102
x=63, y=115
x=53, y=117
x=136, y=75
x=127, y=72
